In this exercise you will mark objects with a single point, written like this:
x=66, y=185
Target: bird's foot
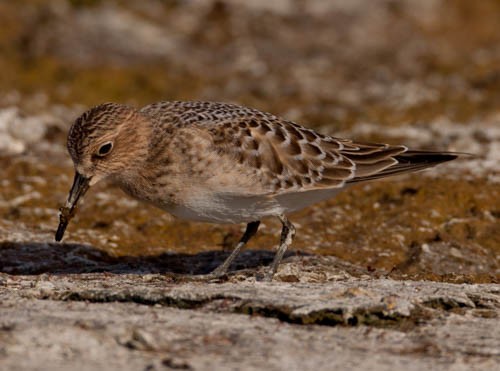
x=265, y=277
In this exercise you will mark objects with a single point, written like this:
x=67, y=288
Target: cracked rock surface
x=111, y=320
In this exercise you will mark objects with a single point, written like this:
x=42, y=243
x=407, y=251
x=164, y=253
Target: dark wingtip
x=428, y=157
x=411, y=161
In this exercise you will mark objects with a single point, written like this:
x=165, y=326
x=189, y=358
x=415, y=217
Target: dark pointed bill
x=80, y=186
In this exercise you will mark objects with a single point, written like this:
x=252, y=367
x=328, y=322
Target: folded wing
x=287, y=157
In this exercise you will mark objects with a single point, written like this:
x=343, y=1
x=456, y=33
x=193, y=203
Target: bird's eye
x=105, y=149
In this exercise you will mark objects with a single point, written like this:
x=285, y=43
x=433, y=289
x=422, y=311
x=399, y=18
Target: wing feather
x=288, y=157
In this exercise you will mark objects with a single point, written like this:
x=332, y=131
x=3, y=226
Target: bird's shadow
x=33, y=258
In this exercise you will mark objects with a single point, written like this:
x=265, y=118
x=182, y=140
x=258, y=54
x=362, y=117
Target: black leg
x=252, y=228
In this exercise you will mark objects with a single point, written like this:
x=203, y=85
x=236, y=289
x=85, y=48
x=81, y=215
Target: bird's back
x=288, y=157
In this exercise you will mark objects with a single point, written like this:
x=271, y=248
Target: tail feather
x=410, y=161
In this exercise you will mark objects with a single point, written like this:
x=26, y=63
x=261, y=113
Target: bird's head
x=107, y=140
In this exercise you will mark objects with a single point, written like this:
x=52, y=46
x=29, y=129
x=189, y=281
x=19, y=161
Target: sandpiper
x=223, y=163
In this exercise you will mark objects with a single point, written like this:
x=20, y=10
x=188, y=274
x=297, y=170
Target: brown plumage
x=224, y=163
x=289, y=156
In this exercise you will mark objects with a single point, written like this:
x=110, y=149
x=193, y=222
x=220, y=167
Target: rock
x=18, y=131
x=121, y=321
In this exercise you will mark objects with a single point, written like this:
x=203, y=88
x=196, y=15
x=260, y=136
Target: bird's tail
x=410, y=161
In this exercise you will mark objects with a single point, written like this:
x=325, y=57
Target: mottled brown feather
x=286, y=156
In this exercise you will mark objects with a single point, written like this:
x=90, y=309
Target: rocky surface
x=88, y=310
x=390, y=274
x=153, y=321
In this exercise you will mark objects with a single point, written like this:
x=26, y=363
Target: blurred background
x=323, y=62
x=425, y=73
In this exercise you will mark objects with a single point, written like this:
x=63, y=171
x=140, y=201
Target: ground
x=389, y=273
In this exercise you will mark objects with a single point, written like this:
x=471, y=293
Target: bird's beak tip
x=80, y=186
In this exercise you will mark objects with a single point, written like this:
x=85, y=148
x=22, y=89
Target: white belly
x=230, y=208
x=225, y=209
